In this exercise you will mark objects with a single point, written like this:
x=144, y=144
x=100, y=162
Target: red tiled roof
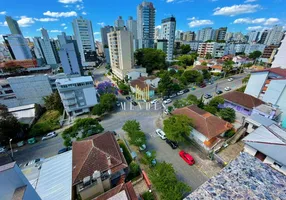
x=91, y=154
x=242, y=99
x=276, y=70
x=140, y=84
x=127, y=187
x=204, y=122
x=200, y=67
x=217, y=67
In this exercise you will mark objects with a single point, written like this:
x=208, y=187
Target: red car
x=187, y=157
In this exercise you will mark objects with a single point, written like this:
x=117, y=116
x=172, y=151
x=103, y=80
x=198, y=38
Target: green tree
x=148, y=196
x=151, y=59
x=134, y=170
x=172, y=72
x=206, y=74
x=166, y=84
x=216, y=101
x=178, y=127
x=108, y=101
x=246, y=79
x=210, y=109
x=227, y=66
x=98, y=109
x=131, y=126
x=204, y=63
x=137, y=138
x=185, y=48
x=255, y=54
x=192, y=98
x=54, y=102
x=208, y=56
x=163, y=177
x=124, y=88
x=186, y=60
x=227, y=114
x=201, y=102
x=193, y=76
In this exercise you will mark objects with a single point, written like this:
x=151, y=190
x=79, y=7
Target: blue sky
x=57, y=15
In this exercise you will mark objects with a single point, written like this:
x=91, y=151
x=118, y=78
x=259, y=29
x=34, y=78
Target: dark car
x=165, y=98
x=207, y=96
x=172, y=144
x=219, y=92
x=134, y=103
x=186, y=90
x=203, y=85
x=64, y=150
x=128, y=98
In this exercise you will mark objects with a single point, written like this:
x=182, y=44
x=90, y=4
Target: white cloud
x=46, y=19
x=202, y=22
x=39, y=29
x=25, y=21
x=169, y=1
x=69, y=1
x=60, y=14
x=101, y=23
x=96, y=33
x=236, y=9
x=3, y=23
x=250, y=1
x=65, y=27
x=63, y=24
x=271, y=21
x=3, y=13
x=55, y=31
x=79, y=7
x=84, y=13
x=254, y=28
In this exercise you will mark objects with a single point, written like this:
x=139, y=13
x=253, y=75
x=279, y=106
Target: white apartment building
x=280, y=57
x=38, y=49
x=205, y=34
x=274, y=36
x=119, y=23
x=78, y=94
x=249, y=48
x=47, y=48
x=145, y=24
x=85, y=41
x=121, y=52
x=132, y=27
x=17, y=47
x=253, y=36
x=168, y=27
x=215, y=49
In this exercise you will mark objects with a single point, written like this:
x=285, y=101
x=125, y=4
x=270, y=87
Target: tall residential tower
x=168, y=32
x=13, y=26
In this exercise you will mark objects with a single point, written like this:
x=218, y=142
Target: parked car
x=227, y=88
x=187, y=157
x=167, y=101
x=128, y=98
x=36, y=161
x=21, y=143
x=49, y=136
x=230, y=79
x=161, y=134
x=203, y=85
x=173, y=95
x=219, y=92
x=207, y=96
x=186, y=90
x=2, y=149
x=154, y=101
x=142, y=147
x=32, y=140
x=165, y=98
x=134, y=103
x=166, y=112
x=172, y=144
x=154, y=161
x=64, y=150
x=180, y=92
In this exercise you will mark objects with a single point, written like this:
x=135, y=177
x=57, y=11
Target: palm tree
x=227, y=66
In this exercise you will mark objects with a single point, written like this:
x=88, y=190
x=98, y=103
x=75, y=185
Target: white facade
x=38, y=49
x=103, y=31
x=84, y=36
x=205, y=34
x=119, y=23
x=168, y=32
x=132, y=27
x=121, y=52
x=215, y=49
x=280, y=57
x=78, y=94
x=69, y=59
x=253, y=36
x=145, y=24
x=249, y=48
x=47, y=48
x=274, y=36
x=19, y=47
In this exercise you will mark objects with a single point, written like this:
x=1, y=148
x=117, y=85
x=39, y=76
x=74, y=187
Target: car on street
x=49, y=136
x=230, y=79
x=128, y=98
x=32, y=140
x=202, y=85
x=166, y=112
x=186, y=90
x=167, y=101
x=142, y=147
x=2, y=149
x=187, y=157
x=207, y=96
x=64, y=150
x=172, y=144
x=20, y=144
x=134, y=103
x=180, y=92
x=154, y=101
x=161, y=134
x=165, y=98
x=173, y=95
x=219, y=92
x=227, y=88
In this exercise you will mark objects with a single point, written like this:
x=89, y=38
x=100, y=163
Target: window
x=277, y=164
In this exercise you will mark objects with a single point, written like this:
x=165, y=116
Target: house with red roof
x=208, y=129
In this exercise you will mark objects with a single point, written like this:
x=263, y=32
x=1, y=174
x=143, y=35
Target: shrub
x=148, y=196
x=126, y=153
x=229, y=133
x=134, y=171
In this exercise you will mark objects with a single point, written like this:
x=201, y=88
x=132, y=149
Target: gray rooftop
x=244, y=178
x=260, y=120
x=268, y=109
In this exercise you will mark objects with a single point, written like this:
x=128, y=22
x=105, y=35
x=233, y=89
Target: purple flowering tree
x=107, y=87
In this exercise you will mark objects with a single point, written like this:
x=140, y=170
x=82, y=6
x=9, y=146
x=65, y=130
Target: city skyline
x=57, y=16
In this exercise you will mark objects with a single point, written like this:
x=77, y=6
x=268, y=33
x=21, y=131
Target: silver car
x=49, y=136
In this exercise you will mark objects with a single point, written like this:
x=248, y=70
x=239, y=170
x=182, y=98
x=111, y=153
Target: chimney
x=108, y=160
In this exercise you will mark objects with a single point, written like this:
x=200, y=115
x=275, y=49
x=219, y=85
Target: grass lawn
x=48, y=122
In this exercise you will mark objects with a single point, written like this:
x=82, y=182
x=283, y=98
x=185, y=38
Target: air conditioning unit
x=86, y=181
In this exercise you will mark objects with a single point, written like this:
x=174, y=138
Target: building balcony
x=70, y=103
x=67, y=96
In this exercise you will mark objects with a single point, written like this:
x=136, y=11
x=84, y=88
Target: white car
x=180, y=92
x=49, y=135
x=230, y=79
x=166, y=112
x=167, y=101
x=227, y=88
x=161, y=134
x=154, y=101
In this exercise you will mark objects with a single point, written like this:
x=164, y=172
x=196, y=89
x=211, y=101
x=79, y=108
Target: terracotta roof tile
x=200, y=67
x=242, y=99
x=204, y=122
x=217, y=67
x=91, y=154
x=276, y=70
x=140, y=84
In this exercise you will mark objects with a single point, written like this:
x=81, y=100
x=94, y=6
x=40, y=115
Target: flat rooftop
x=66, y=81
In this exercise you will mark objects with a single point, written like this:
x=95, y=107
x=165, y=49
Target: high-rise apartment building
x=146, y=24
x=280, y=57
x=162, y=45
x=263, y=36
x=38, y=50
x=17, y=47
x=220, y=34
x=119, y=23
x=189, y=36
x=158, y=34
x=131, y=25
x=13, y=26
x=168, y=32
x=228, y=36
x=85, y=41
x=120, y=44
x=205, y=34
x=274, y=36
x=103, y=31
x=253, y=36
x=47, y=48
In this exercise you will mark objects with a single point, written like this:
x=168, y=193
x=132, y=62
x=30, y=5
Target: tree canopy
x=54, y=102
x=98, y=109
x=255, y=54
x=151, y=59
x=193, y=76
x=178, y=127
x=187, y=60
x=216, y=101
x=227, y=66
x=185, y=48
x=165, y=85
x=124, y=88
x=136, y=136
x=206, y=74
x=227, y=114
x=208, y=56
x=106, y=87
x=190, y=100
x=108, y=101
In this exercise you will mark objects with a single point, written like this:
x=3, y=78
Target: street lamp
x=11, y=149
